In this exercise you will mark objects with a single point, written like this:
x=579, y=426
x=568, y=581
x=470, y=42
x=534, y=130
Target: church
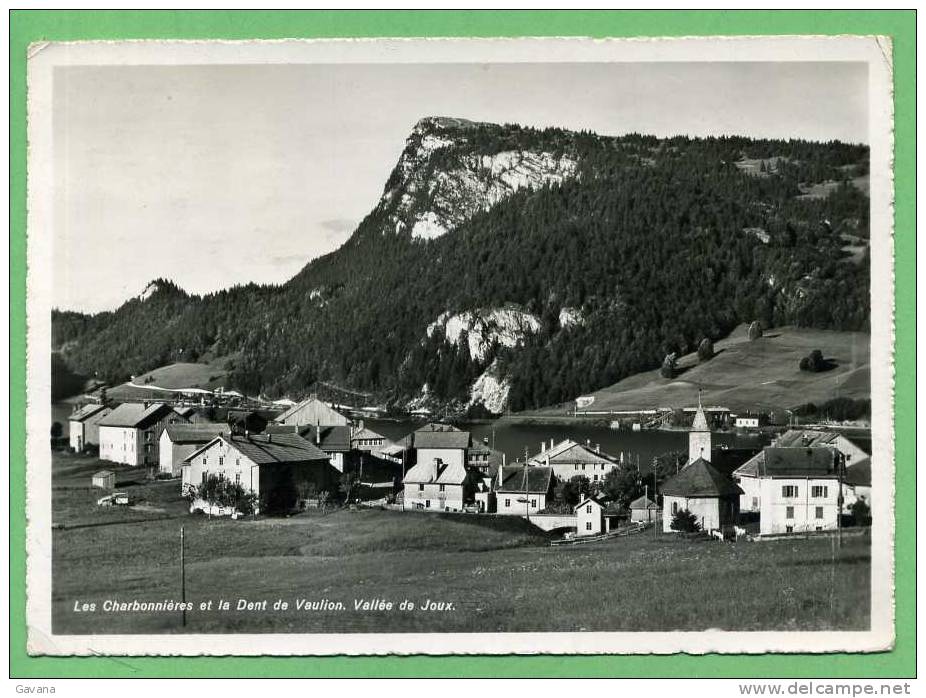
x=703, y=489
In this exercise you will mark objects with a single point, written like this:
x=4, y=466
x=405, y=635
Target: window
x=818, y=491
x=427, y=504
x=237, y=478
x=588, y=508
x=507, y=502
x=818, y=528
x=755, y=502
x=237, y=461
x=595, y=476
x=789, y=512
x=533, y=503
x=221, y=460
x=205, y=475
x=674, y=508
x=788, y=491
x=819, y=513
x=421, y=488
x=204, y=460
x=789, y=529
x=442, y=487
x=588, y=525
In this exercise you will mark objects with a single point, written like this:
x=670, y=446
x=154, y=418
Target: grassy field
x=498, y=572
x=159, y=383
x=744, y=375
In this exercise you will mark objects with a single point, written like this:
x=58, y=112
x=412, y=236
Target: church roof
x=700, y=479
x=700, y=420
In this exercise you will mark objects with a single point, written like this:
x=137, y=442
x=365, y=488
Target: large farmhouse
x=333, y=440
x=793, y=489
x=130, y=434
x=275, y=467
x=84, y=425
x=569, y=458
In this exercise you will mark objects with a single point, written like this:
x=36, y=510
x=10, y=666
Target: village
x=240, y=462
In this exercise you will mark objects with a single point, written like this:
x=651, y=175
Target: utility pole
x=840, y=467
x=182, y=581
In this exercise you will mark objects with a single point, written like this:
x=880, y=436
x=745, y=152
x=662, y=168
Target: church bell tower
x=699, y=438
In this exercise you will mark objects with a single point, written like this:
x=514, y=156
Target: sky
x=225, y=174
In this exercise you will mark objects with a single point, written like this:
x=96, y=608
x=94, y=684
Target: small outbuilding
x=644, y=509
x=104, y=479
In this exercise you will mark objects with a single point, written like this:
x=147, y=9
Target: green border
x=29, y=26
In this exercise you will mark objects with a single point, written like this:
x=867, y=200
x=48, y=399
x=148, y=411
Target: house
x=441, y=442
x=130, y=434
x=278, y=468
x=362, y=438
x=793, y=488
x=569, y=458
x=705, y=491
x=440, y=486
x=643, y=509
x=523, y=489
x=84, y=425
x=333, y=440
x=854, y=448
x=312, y=411
x=858, y=479
x=479, y=456
x=104, y=479
x=746, y=423
x=178, y=441
x=594, y=517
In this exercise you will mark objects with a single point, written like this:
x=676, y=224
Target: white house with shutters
x=794, y=489
x=570, y=458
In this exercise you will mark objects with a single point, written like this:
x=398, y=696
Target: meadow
x=499, y=573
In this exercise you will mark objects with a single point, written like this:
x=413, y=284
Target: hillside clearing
x=745, y=375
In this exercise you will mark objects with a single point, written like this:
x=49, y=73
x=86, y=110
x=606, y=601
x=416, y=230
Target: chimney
x=588, y=443
x=543, y=446
x=597, y=448
x=270, y=437
x=551, y=443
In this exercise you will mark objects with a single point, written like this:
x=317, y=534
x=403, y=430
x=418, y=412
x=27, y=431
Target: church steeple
x=699, y=438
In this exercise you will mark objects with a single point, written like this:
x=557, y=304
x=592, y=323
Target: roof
x=332, y=438
x=366, y=433
x=185, y=411
x=643, y=503
x=440, y=436
x=194, y=433
x=443, y=474
x=534, y=479
x=312, y=411
x=135, y=415
x=570, y=451
x=86, y=412
x=103, y=473
x=700, y=479
x=862, y=442
x=727, y=460
x=776, y=461
x=859, y=473
x=700, y=420
x=816, y=437
x=269, y=449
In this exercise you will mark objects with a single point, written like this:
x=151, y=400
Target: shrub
x=219, y=491
x=685, y=522
x=861, y=512
x=705, y=350
x=814, y=362
x=669, y=365
x=755, y=330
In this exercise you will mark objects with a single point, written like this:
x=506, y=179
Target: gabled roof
x=185, y=411
x=331, y=439
x=776, y=461
x=440, y=436
x=312, y=411
x=194, y=433
x=86, y=412
x=700, y=479
x=135, y=415
x=859, y=473
x=796, y=438
x=569, y=452
x=366, y=433
x=643, y=503
x=269, y=449
x=862, y=442
x=534, y=479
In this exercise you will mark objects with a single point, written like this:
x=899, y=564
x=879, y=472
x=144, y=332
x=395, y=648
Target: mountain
x=510, y=267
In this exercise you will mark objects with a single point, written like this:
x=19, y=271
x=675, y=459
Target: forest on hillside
x=658, y=243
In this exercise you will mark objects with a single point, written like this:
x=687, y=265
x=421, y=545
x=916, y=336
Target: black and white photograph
x=460, y=346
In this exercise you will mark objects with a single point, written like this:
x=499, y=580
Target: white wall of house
x=795, y=505
x=548, y=522
x=507, y=503
x=651, y=514
x=434, y=497
x=589, y=521
x=172, y=455
x=705, y=509
x=122, y=445
x=751, y=499
x=337, y=460
x=222, y=459
x=595, y=472
x=451, y=456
